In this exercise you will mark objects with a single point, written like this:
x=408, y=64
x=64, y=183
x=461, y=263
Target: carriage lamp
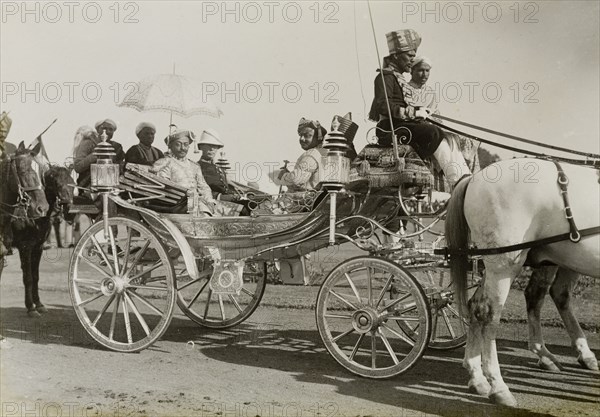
x=223, y=163
x=337, y=170
x=104, y=174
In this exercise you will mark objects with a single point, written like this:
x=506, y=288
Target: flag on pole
x=43, y=155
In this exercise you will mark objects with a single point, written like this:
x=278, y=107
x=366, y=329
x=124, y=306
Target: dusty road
x=272, y=365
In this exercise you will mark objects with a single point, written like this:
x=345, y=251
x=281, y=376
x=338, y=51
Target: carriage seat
x=160, y=194
x=378, y=165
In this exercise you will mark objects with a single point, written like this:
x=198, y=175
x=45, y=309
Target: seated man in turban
x=307, y=172
x=84, y=155
x=427, y=139
x=175, y=166
x=144, y=153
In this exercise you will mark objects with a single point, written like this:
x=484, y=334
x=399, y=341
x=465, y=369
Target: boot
x=451, y=161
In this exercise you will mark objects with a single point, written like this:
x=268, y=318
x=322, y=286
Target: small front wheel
x=221, y=311
x=358, y=308
x=122, y=286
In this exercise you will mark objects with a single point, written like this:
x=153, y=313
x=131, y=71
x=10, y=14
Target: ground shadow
x=436, y=385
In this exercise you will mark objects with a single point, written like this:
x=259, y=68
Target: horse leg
x=25, y=256
x=55, y=225
x=488, y=311
x=535, y=293
x=36, y=257
x=478, y=384
x=560, y=291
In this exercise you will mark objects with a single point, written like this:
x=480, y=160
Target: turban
x=403, y=40
x=210, y=137
x=5, y=124
x=421, y=60
x=320, y=131
x=144, y=125
x=179, y=134
x=105, y=121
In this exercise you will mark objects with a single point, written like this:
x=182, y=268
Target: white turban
x=421, y=60
x=144, y=125
x=105, y=121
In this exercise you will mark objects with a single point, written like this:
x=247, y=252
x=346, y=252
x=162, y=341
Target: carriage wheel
x=448, y=327
x=357, y=316
x=221, y=311
x=124, y=301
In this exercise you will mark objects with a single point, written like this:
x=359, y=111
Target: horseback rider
x=427, y=139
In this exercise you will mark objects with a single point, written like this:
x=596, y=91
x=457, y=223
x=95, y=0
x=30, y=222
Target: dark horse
x=32, y=216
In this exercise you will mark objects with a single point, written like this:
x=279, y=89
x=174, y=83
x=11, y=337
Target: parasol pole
x=171, y=117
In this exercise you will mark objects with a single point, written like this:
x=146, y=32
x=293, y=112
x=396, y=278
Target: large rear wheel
x=448, y=326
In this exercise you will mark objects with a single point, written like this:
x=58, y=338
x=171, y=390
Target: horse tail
x=457, y=238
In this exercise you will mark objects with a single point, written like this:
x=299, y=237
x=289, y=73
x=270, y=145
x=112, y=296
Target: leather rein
x=23, y=198
x=574, y=235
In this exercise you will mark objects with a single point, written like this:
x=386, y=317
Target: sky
x=526, y=68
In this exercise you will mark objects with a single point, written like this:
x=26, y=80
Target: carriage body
x=128, y=272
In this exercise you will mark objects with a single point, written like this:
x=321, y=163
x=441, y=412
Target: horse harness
x=23, y=199
x=574, y=235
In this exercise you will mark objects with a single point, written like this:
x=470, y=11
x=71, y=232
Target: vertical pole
x=105, y=214
x=332, y=214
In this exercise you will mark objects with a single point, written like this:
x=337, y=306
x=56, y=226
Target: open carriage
x=376, y=313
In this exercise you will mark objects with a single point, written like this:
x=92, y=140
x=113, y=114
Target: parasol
x=171, y=93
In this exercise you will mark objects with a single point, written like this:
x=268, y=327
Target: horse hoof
x=34, y=314
x=548, y=365
x=480, y=388
x=41, y=309
x=588, y=363
x=503, y=398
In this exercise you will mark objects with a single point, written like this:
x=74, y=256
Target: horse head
x=25, y=184
x=59, y=191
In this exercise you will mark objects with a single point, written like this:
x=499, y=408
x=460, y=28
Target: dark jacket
x=394, y=93
x=215, y=178
x=136, y=155
x=424, y=137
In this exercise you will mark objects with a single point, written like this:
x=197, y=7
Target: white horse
x=512, y=202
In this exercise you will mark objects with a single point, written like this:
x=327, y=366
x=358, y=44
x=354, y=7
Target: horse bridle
x=23, y=199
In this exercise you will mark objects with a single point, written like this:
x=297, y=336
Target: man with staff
x=391, y=111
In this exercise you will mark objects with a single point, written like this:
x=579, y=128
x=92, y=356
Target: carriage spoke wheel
x=122, y=286
x=221, y=311
x=356, y=317
x=448, y=327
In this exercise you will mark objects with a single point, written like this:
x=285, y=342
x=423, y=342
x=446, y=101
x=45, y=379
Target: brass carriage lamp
x=337, y=166
x=104, y=174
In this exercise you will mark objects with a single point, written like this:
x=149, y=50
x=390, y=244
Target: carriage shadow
x=59, y=326
x=302, y=354
x=436, y=385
